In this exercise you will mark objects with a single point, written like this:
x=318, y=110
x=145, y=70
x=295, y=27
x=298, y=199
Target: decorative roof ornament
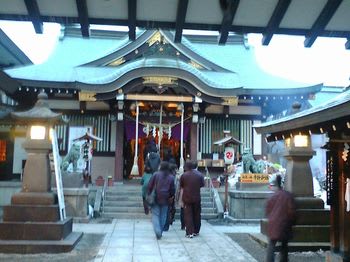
x=230, y=101
x=195, y=65
x=117, y=62
x=156, y=37
x=159, y=80
x=87, y=96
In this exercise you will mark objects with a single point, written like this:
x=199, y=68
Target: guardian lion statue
x=71, y=158
x=250, y=165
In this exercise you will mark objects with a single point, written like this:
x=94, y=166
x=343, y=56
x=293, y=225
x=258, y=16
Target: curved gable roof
x=150, y=37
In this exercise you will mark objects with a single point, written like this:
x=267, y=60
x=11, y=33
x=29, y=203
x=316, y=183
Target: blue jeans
x=159, y=216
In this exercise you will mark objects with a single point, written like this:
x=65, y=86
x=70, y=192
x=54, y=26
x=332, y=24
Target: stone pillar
x=119, y=157
x=298, y=174
x=194, y=141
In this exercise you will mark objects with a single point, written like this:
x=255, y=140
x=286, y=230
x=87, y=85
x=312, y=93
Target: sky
x=327, y=61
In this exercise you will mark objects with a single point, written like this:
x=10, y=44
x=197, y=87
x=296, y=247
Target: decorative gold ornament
x=117, y=62
x=195, y=64
x=230, y=101
x=87, y=96
x=156, y=37
x=159, y=80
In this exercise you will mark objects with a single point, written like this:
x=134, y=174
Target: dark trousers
x=182, y=218
x=145, y=206
x=192, y=215
x=270, y=257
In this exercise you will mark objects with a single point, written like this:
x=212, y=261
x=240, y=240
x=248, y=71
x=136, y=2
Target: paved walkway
x=134, y=240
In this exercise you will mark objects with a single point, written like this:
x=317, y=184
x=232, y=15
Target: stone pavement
x=134, y=240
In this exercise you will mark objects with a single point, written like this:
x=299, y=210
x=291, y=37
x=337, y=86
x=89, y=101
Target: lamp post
x=298, y=152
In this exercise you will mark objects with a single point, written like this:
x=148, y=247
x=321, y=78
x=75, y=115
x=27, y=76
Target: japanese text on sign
x=254, y=178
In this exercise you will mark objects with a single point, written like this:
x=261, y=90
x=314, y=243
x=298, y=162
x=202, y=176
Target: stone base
x=34, y=198
x=71, y=180
x=36, y=230
x=248, y=204
x=76, y=202
x=252, y=186
x=40, y=246
x=17, y=213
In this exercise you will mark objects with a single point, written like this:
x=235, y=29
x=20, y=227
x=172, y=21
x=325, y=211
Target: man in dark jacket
x=191, y=183
x=280, y=211
x=163, y=182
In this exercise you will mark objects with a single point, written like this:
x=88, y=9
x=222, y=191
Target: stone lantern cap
x=40, y=113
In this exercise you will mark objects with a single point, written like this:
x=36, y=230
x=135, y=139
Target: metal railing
x=104, y=194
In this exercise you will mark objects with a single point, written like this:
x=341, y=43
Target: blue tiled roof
x=71, y=53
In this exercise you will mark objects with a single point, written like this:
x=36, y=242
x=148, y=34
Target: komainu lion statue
x=250, y=165
x=71, y=158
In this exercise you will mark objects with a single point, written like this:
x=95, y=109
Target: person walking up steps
x=144, y=182
x=191, y=184
x=163, y=182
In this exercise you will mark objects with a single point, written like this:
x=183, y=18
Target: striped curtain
x=101, y=125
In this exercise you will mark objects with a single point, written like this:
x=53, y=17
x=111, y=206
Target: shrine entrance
x=159, y=124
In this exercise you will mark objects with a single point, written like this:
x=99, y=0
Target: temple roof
x=104, y=64
x=10, y=54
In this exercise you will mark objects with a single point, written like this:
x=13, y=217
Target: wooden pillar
x=194, y=141
x=333, y=167
x=344, y=216
x=119, y=157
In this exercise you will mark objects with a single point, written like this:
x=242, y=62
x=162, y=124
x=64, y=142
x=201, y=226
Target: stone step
x=40, y=246
x=108, y=203
x=313, y=216
x=124, y=198
x=305, y=233
x=120, y=209
x=204, y=216
x=138, y=192
x=293, y=246
x=123, y=203
x=203, y=210
x=123, y=215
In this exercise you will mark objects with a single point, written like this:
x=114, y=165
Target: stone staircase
x=125, y=201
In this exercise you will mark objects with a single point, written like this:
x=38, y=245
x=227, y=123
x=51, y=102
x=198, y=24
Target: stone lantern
x=298, y=152
x=32, y=224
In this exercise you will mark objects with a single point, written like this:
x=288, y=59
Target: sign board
x=56, y=160
x=254, y=178
x=229, y=155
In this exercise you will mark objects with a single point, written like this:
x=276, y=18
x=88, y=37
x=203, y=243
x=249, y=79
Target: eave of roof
x=336, y=108
x=11, y=53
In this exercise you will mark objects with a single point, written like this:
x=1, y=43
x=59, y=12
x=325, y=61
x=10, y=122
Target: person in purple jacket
x=163, y=181
x=281, y=215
